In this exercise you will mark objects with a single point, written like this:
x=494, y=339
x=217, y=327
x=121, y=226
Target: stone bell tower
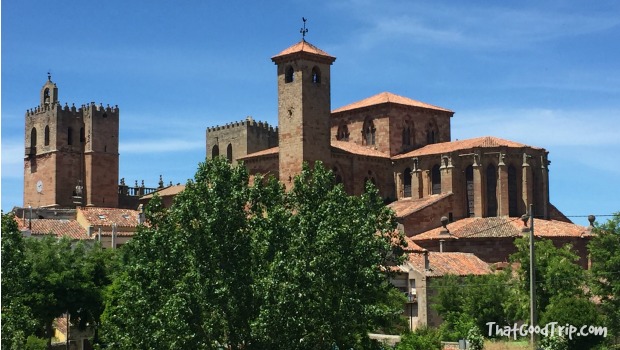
x=304, y=108
x=71, y=154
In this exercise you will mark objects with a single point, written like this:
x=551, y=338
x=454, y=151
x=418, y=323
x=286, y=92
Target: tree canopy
x=255, y=266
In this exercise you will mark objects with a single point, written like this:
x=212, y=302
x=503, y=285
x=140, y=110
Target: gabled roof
x=303, y=48
x=407, y=206
x=57, y=228
x=479, y=142
x=353, y=148
x=412, y=246
x=501, y=227
x=441, y=264
x=388, y=97
x=108, y=216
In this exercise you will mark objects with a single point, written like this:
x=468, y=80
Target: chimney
x=140, y=214
x=444, y=222
x=113, y=236
x=427, y=265
x=99, y=235
x=441, y=245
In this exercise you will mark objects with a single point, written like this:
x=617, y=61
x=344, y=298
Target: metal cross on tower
x=303, y=30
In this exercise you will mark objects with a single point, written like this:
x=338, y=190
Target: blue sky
x=544, y=73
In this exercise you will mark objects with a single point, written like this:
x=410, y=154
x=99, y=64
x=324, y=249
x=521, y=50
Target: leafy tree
x=323, y=283
x=254, y=267
x=186, y=281
x=423, y=338
x=16, y=315
x=605, y=282
x=578, y=312
x=557, y=275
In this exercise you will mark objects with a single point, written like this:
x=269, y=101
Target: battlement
x=249, y=123
x=72, y=109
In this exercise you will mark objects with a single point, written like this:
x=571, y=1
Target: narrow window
x=289, y=75
x=82, y=135
x=33, y=139
x=407, y=182
x=406, y=136
x=491, y=191
x=436, y=180
x=47, y=135
x=469, y=190
x=215, y=151
x=69, y=136
x=229, y=154
x=369, y=133
x=316, y=75
x=46, y=96
x=513, y=206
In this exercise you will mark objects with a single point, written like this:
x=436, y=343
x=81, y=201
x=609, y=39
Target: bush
x=475, y=339
x=423, y=338
x=34, y=343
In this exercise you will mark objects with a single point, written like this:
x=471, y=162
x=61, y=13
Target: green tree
x=64, y=276
x=423, y=338
x=186, y=277
x=16, y=315
x=605, y=282
x=322, y=282
x=577, y=312
x=557, y=274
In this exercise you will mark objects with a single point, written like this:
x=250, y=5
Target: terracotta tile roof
x=59, y=228
x=353, y=148
x=303, y=47
x=497, y=227
x=268, y=151
x=387, y=97
x=166, y=191
x=408, y=206
x=460, y=264
x=108, y=216
x=479, y=142
x=412, y=246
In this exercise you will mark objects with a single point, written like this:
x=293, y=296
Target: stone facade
x=238, y=139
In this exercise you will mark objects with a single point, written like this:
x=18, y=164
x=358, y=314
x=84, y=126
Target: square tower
x=71, y=154
x=304, y=107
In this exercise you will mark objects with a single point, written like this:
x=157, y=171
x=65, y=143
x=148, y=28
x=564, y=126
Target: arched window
x=491, y=191
x=215, y=151
x=289, y=75
x=432, y=133
x=407, y=182
x=316, y=75
x=408, y=133
x=369, y=132
x=69, y=136
x=47, y=135
x=469, y=191
x=33, y=139
x=46, y=96
x=436, y=180
x=229, y=154
x=513, y=206
x=82, y=135
x=343, y=133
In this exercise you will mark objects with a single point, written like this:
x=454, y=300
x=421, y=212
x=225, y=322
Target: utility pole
x=532, y=280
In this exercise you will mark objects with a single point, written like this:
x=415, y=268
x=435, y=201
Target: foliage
x=553, y=342
x=16, y=315
x=34, y=343
x=475, y=339
x=578, y=312
x=255, y=267
x=557, y=275
x=423, y=338
x=470, y=301
x=605, y=282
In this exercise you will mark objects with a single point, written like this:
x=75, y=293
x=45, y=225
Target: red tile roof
x=353, y=148
x=58, y=228
x=408, y=206
x=266, y=152
x=167, y=191
x=497, y=227
x=412, y=246
x=479, y=142
x=460, y=264
x=108, y=216
x=300, y=48
x=388, y=97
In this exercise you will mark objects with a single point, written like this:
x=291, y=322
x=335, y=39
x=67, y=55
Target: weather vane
x=303, y=30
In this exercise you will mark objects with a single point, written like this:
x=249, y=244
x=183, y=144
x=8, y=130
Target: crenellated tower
x=71, y=156
x=304, y=107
